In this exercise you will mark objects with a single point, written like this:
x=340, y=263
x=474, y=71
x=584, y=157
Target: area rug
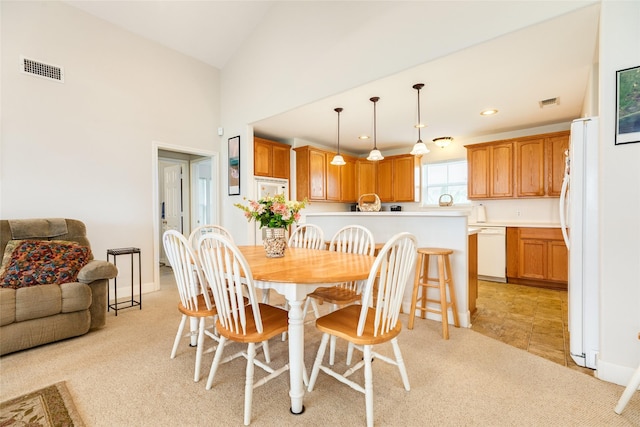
x=48, y=407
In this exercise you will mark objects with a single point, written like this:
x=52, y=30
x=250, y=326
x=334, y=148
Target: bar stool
x=443, y=281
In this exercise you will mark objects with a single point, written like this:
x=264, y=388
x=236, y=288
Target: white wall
x=619, y=202
x=83, y=149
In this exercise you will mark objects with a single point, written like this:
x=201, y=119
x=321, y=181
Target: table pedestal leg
x=296, y=356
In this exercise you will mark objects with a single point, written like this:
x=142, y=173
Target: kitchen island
x=445, y=229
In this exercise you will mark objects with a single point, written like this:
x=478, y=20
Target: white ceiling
x=511, y=73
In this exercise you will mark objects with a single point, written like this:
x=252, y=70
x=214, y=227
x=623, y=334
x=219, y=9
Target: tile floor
x=533, y=319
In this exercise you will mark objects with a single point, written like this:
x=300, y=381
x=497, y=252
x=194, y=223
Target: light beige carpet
x=122, y=375
x=48, y=407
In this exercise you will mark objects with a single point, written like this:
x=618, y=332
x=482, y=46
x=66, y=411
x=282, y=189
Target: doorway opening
x=185, y=194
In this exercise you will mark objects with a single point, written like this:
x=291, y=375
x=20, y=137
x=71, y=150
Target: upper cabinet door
x=385, y=180
x=530, y=168
x=333, y=179
x=281, y=161
x=317, y=175
x=555, y=163
x=478, y=170
x=262, y=157
x=501, y=170
x=271, y=158
x=367, y=177
x=348, y=182
x=403, y=178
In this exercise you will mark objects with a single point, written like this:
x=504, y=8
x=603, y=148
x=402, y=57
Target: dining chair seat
x=274, y=321
x=336, y=295
x=201, y=311
x=343, y=324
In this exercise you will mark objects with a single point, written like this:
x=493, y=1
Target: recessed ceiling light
x=363, y=137
x=489, y=112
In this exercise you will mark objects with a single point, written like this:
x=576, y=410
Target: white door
x=172, y=219
x=201, y=194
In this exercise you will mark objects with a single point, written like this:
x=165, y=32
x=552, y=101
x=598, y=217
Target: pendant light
x=419, y=148
x=338, y=160
x=375, y=154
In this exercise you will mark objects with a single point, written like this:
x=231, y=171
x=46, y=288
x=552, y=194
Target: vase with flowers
x=275, y=214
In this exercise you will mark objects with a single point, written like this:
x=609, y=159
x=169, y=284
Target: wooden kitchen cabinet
x=404, y=170
x=317, y=179
x=555, y=148
x=396, y=179
x=311, y=173
x=348, y=180
x=366, y=174
x=271, y=158
x=540, y=165
x=384, y=190
x=490, y=170
x=333, y=179
x=537, y=256
x=531, y=166
x=341, y=180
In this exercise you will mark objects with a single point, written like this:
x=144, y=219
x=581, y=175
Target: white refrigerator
x=579, y=222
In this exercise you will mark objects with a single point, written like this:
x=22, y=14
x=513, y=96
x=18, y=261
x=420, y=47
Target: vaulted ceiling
x=512, y=73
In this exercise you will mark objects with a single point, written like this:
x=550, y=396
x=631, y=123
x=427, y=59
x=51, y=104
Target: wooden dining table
x=295, y=276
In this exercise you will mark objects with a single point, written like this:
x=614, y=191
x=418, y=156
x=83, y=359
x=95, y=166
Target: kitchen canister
x=482, y=213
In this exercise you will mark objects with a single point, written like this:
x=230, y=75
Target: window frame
x=424, y=187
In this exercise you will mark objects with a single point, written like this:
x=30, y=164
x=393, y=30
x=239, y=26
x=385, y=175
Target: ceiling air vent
x=549, y=102
x=40, y=69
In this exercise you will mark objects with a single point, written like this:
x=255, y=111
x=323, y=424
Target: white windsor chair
x=364, y=326
x=241, y=318
x=354, y=239
x=195, y=302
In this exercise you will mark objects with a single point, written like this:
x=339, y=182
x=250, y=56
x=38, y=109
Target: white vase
x=274, y=242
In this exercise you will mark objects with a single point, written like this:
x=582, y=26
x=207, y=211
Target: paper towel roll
x=482, y=214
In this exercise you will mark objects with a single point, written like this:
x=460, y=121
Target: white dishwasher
x=492, y=254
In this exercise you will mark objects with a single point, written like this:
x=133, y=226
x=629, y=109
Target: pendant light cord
x=375, y=154
x=419, y=120
x=419, y=86
x=338, y=110
x=375, y=99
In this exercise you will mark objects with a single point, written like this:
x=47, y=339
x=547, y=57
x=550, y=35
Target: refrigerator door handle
x=563, y=210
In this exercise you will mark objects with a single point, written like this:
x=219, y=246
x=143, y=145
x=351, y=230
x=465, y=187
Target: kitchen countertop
x=527, y=224
x=392, y=213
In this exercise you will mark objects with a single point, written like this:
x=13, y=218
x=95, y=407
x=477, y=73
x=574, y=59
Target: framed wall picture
x=628, y=105
x=234, y=166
